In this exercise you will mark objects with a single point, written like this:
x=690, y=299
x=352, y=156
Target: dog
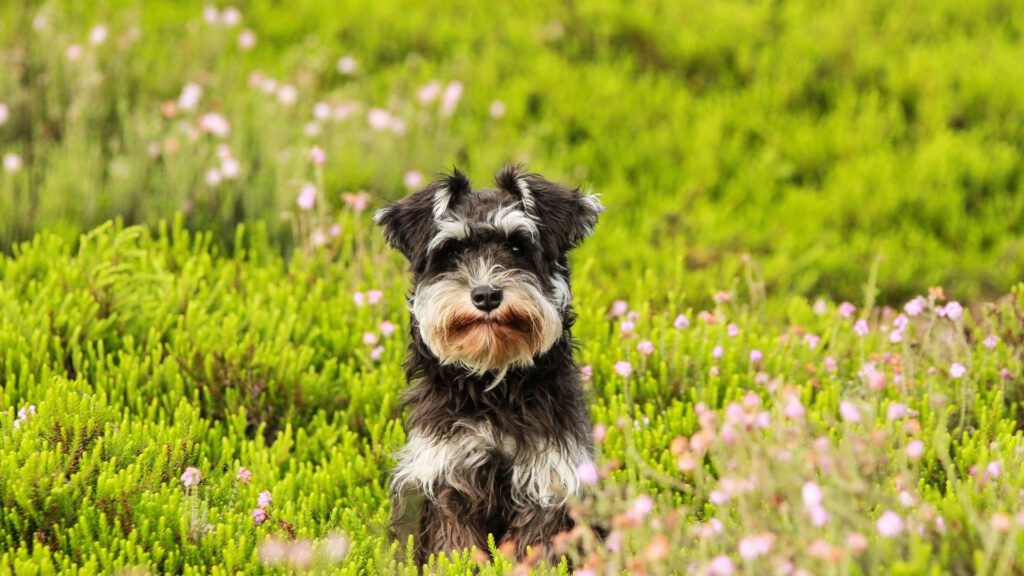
x=497, y=420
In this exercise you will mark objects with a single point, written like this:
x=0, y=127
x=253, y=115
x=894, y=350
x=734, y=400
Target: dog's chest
x=541, y=471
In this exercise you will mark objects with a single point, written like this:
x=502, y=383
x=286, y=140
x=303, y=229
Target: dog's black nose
x=486, y=298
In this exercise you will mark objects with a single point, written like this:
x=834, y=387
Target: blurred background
x=807, y=144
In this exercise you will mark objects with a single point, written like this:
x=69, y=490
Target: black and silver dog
x=497, y=423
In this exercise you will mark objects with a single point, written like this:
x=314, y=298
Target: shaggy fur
x=497, y=418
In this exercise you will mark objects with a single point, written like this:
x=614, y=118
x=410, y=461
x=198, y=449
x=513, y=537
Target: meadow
x=801, y=318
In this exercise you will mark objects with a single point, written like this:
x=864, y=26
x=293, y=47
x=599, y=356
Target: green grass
x=761, y=162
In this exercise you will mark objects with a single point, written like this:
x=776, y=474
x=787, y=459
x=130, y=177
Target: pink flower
x=378, y=118
x=190, y=95
x=847, y=310
x=360, y=299
x=356, y=202
x=213, y=177
x=915, y=449
x=191, y=477
x=993, y=470
x=722, y=297
x=623, y=368
x=12, y=162
x=830, y=364
x=811, y=341
x=370, y=339
x=896, y=411
x=812, y=494
x=287, y=95
x=98, y=35
x=861, y=327
x=214, y=123
x=755, y=356
x=210, y=15
x=626, y=328
x=450, y=98
x=587, y=473
x=646, y=347
x=915, y=306
x=334, y=231
x=896, y=336
x=73, y=53
x=794, y=409
x=247, y=40
x=681, y=322
x=818, y=514
x=244, y=475
x=642, y=505
x=722, y=566
x=376, y=353
x=717, y=352
x=428, y=92
x=1005, y=374
x=889, y=524
x=991, y=341
x=307, y=196
x=496, y=109
x=317, y=155
x=263, y=500
x=586, y=372
x=849, y=412
x=877, y=380
x=600, y=432
x=259, y=516
x=957, y=370
x=952, y=310
x=387, y=328
x=374, y=297
x=5, y=113
x=732, y=330
x=347, y=65
x=619, y=308
x=755, y=546
x=413, y=179
x=856, y=542
x=231, y=17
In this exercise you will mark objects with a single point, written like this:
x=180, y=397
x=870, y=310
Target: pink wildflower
x=587, y=473
x=889, y=524
x=244, y=475
x=191, y=477
x=259, y=516
x=646, y=347
x=623, y=368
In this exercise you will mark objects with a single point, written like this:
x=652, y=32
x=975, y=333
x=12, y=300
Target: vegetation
x=211, y=382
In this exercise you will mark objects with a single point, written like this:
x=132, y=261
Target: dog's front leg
x=450, y=523
x=535, y=525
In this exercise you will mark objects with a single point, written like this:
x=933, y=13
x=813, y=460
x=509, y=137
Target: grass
x=763, y=164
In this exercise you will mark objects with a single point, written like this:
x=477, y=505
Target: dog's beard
x=525, y=325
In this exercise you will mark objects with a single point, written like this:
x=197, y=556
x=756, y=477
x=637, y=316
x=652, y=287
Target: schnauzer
x=497, y=417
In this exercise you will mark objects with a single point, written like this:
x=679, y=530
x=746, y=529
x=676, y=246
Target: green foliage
x=815, y=138
x=162, y=309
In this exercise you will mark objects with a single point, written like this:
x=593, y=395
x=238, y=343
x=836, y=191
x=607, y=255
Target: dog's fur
x=497, y=418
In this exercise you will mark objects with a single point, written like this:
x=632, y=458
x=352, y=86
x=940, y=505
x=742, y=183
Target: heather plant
x=800, y=321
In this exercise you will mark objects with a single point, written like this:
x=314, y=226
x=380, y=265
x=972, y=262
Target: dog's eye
x=515, y=245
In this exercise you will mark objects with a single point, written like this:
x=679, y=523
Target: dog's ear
x=567, y=214
x=410, y=223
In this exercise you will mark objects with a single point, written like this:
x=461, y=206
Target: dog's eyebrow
x=448, y=229
x=510, y=220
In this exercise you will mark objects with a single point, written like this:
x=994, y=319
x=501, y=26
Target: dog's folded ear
x=411, y=222
x=567, y=214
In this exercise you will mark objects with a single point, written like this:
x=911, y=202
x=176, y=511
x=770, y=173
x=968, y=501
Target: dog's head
x=491, y=277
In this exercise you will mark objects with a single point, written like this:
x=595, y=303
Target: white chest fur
x=541, y=474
